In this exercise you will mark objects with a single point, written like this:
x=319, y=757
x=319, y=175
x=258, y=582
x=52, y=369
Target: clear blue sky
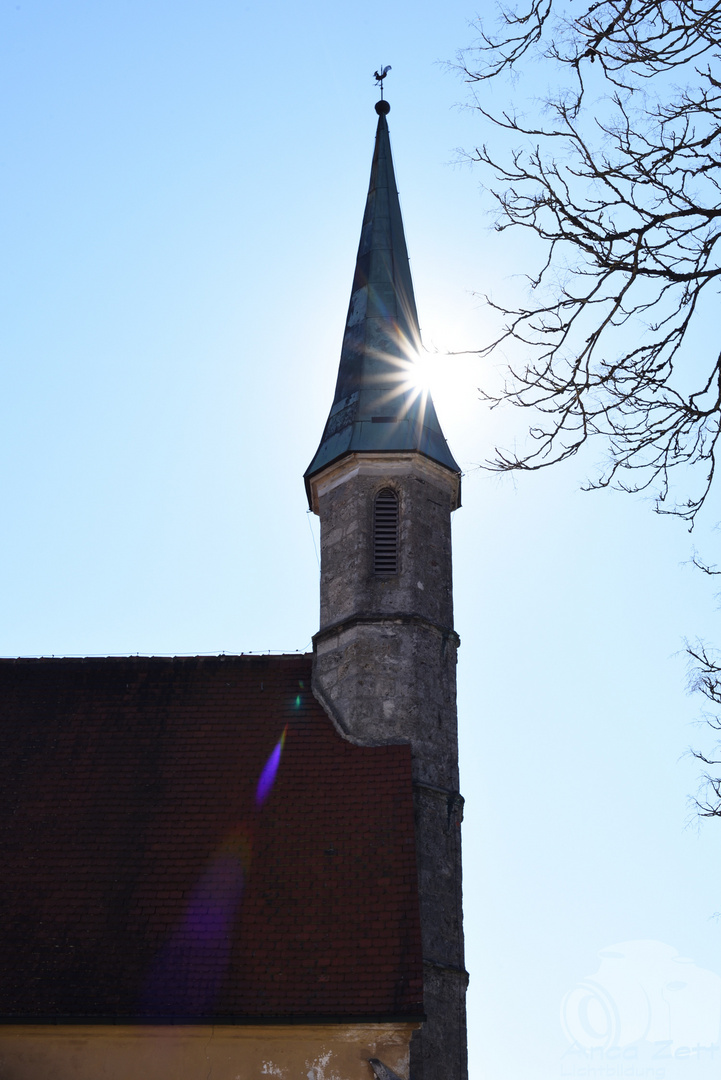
x=182, y=191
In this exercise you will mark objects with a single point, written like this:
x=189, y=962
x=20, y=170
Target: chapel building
x=247, y=866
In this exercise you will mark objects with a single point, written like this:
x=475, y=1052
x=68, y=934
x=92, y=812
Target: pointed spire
x=379, y=406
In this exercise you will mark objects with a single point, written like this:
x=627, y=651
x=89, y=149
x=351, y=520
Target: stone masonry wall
x=385, y=669
x=345, y=504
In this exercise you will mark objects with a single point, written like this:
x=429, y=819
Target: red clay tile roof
x=142, y=876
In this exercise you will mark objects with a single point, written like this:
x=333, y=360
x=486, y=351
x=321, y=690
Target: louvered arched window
x=385, y=533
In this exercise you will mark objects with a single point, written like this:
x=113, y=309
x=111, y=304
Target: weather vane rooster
x=380, y=76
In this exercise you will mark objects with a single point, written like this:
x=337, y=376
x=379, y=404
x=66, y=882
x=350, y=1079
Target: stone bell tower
x=384, y=485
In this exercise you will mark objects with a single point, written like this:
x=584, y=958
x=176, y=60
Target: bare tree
x=705, y=678
x=619, y=176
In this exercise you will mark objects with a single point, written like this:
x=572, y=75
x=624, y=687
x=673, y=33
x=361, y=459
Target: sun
x=420, y=372
x=450, y=380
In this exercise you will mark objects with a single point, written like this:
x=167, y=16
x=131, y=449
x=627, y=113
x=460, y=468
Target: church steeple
x=384, y=484
x=379, y=406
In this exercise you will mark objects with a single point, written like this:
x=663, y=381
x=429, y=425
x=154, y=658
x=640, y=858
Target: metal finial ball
x=382, y=108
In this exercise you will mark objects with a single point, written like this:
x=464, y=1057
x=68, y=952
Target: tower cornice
x=381, y=465
x=388, y=618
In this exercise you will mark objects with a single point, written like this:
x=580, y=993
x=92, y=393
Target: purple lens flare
x=270, y=770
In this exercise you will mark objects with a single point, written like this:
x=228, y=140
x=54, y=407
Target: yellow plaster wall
x=108, y=1052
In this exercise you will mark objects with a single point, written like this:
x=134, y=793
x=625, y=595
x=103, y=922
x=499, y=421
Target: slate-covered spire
x=378, y=405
